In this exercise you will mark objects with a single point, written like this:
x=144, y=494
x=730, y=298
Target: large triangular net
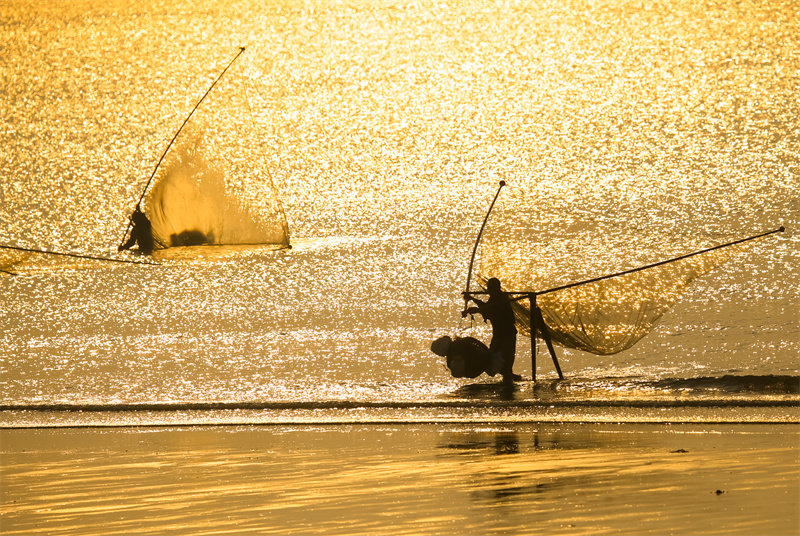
x=213, y=186
x=604, y=317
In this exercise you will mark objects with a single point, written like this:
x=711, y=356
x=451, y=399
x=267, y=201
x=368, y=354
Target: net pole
x=477, y=241
x=519, y=295
x=548, y=341
x=160, y=160
x=534, y=335
x=626, y=272
x=537, y=325
x=75, y=255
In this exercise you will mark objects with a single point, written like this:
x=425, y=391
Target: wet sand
x=403, y=479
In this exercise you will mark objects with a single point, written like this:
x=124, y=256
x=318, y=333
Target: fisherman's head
x=441, y=345
x=138, y=216
x=493, y=286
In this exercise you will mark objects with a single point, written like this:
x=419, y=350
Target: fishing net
x=214, y=186
x=603, y=317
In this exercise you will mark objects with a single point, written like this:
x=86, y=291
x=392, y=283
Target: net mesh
x=214, y=186
x=603, y=317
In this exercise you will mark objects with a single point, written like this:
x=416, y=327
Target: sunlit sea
x=643, y=130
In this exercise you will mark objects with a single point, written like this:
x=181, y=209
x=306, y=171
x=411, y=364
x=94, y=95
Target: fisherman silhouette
x=467, y=357
x=141, y=233
x=497, y=310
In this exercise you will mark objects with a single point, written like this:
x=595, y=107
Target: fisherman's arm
x=481, y=307
x=129, y=244
x=470, y=311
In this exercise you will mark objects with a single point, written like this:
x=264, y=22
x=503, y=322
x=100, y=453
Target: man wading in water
x=141, y=233
x=497, y=310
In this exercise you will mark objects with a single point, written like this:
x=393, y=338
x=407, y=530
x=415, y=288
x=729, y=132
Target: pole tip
x=502, y=183
x=781, y=228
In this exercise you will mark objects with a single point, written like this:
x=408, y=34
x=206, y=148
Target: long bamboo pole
x=735, y=242
x=160, y=160
x=75, y=255
x=478, y=240
x=522, y=294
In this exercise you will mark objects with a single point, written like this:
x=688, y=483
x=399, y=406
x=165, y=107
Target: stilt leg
x=546, y=336
x=534, y=336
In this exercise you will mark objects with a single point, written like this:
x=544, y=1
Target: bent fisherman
x=497, y=310
x=141, y=233
x=467, y=357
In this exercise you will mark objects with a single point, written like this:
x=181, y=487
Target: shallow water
x=403, y=479
x=246, y=389
x=627, y=133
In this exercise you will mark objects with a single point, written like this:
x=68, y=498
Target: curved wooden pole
x=146, y=186
x=477, y=241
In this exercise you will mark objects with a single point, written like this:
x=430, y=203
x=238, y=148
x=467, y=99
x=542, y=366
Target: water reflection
x=497, y=390
x=499, y=443
x=522, y=441
x=433, y=479
x=509, y=487
x=514, y=464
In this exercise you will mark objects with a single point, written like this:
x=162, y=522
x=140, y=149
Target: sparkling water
x=627, y=133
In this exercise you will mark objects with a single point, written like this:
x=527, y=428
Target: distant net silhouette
x=603, y=317
x=213, y=186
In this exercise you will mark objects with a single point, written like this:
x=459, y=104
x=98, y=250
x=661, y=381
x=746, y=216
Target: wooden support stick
x=537, y=325
x=533, y=327
x=548, y=341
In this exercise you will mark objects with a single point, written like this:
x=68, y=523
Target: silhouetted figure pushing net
x=603, y=315
x=212, y=184
x=141, y=233
x=497, y=310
